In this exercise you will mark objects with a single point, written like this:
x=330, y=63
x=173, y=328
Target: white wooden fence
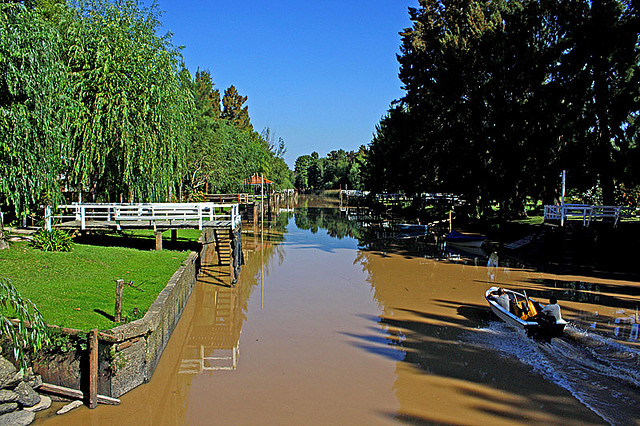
x=118, y=214
x=586, y=212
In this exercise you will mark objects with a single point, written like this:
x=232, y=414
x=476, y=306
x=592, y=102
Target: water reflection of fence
x=587, y=213
x=214, y=334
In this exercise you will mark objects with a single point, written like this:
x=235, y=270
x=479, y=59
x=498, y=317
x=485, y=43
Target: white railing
x=354, y=193
x=585, y=212
x=120, y=213
x=242, y=198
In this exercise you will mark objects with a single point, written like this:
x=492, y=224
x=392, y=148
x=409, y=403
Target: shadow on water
x=435, y=345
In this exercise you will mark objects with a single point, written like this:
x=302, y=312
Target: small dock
x=587, y=213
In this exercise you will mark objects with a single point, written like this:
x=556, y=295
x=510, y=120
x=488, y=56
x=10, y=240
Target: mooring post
x=117, y=316
x=232, y=259
x=159, y=240
x=93, y=368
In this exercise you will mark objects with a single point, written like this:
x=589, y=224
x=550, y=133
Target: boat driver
x=552, y=310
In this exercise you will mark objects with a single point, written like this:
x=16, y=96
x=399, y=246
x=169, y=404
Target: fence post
x=159, y=240
x=117, y=315
x=93, y=368
x=47, y=217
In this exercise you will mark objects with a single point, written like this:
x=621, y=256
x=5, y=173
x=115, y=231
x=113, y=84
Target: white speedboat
x=521, y=312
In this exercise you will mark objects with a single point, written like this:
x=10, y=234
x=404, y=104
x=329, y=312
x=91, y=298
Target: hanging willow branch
x=21, y=322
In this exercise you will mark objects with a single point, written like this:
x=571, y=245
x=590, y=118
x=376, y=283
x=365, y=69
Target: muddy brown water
x=320, y=331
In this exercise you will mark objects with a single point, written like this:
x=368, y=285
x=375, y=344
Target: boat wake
x=601, y=373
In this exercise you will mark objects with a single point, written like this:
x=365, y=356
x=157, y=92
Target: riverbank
x=77, y=289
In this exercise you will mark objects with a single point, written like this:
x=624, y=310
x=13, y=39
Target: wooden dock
x=156, y=216
x=223, y=219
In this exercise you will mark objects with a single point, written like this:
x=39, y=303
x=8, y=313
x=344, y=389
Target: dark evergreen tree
x=503, y=95
x=233, y=109
x=206, y=96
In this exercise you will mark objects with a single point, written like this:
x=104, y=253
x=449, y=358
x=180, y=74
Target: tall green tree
x=34, y=107
x=301, y=170
x=600, y=66
x=316, y=172
x=129, y=136
x=207, y=97
x=503, y=95
x=234, y=110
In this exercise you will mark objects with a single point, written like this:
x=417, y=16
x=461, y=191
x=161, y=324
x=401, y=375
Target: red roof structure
x=257, y=180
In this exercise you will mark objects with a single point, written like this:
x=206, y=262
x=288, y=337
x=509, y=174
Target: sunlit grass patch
x=77, y=289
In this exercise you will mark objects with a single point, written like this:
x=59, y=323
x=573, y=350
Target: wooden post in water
x=93, y=368
x=117, y=316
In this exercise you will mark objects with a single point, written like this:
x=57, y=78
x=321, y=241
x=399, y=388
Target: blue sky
x=319, y=74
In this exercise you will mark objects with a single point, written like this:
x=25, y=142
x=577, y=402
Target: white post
x=564, y=185
x=47, y=217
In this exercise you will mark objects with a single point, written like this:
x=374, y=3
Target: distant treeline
x=501, y=96
x=92, y=99
x=339, y=169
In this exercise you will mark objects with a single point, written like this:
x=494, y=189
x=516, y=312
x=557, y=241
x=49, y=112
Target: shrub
x=54, y=240
x=198, y=197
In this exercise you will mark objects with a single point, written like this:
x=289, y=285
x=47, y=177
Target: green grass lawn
x=77, y=289
x=531, y=220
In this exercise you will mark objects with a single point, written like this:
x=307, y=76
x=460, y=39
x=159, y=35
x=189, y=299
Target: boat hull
x=537, y=329
x=412, y=228
x=458, y=239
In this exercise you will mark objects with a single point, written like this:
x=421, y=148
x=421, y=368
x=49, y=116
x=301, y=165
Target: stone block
x=8, y=407
x=27, y=397
x=7, y=395
x=17, y=418
x=45, y=402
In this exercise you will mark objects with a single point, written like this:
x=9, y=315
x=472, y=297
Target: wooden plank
x=74, y=393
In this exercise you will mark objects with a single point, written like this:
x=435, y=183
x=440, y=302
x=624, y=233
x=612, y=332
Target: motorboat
x=521, y=313
x=412, y=228
x=464, y=240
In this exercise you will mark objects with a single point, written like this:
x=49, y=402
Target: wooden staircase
x=222, y=239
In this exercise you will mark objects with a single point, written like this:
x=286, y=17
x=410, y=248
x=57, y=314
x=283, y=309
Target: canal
x=327, y=327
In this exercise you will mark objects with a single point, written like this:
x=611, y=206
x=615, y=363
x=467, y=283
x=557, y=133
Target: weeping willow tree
x=28, y=331
x=130, y=132
x=33, y=107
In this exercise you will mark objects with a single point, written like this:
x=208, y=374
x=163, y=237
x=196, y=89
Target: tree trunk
x=3, y=242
